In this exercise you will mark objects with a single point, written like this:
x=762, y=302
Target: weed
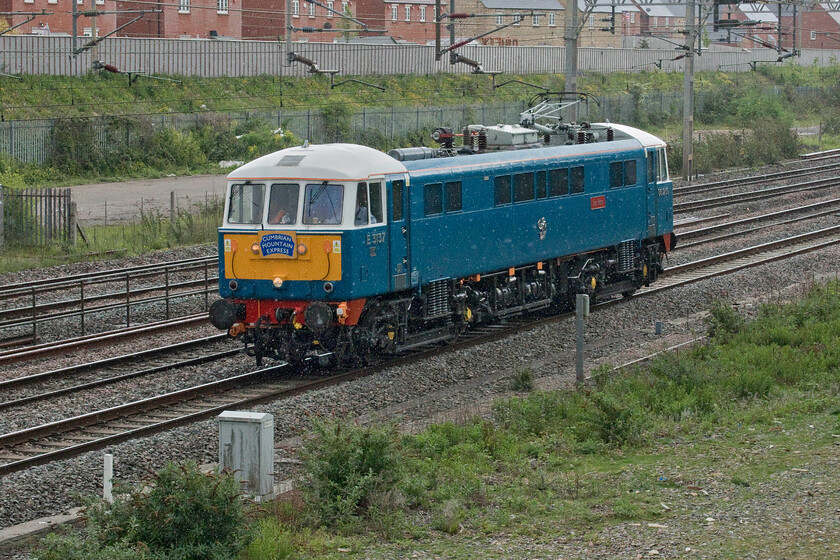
x=523, y=381
x=348, y=469
x=723, y=321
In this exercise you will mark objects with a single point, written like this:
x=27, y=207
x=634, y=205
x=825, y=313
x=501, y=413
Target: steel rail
x=52, y=348
x=23, y=381
x=745, y=221
x=755, y=195
x=729, y=183
x=197, y=360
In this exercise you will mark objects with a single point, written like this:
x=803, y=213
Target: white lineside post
x=107, y=479
x=581, y=311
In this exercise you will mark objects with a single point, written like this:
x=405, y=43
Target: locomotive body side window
x=323, y=203
x=283, y=203
x=454, y=200
x=376, y=206
x=616, y=174
x=246, y=203
x=523, y=187
x=630, y=172
x=541, y=192
x=558, y=182
x=502, y=195
x=397, y=200
x=577, y=180
x=433, y=199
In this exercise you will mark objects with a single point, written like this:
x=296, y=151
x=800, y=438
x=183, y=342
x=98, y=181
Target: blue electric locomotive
x=340, y=250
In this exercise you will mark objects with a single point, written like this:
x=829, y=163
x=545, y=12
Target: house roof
x=554, y=5
x=758, y=12
x=605, y=6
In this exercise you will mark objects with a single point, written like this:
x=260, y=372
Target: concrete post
x=107, y=479
x=581, y=311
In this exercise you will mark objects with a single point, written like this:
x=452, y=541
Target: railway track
x=47, y=349
x=755, y=179
x=112, y=370
x=812, y=211
x=66, y=438
x=760, y=194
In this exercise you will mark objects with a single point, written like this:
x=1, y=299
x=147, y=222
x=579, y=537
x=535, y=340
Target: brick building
x=411, y=20
x=60, y=20
x=182, y=18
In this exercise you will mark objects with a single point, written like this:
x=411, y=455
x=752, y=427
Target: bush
x=723, y=320
x=349, y=471
x=185, y=515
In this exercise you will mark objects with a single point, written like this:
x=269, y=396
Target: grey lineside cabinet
x=246, y=448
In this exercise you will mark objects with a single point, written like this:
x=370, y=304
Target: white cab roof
x=647, y=139
x=323, y=162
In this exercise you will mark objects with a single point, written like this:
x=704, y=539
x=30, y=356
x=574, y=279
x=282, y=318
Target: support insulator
x=581, y=137
x=482, y=141
x=610, y=134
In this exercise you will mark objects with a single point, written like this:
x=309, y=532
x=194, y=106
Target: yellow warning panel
x=285, y=255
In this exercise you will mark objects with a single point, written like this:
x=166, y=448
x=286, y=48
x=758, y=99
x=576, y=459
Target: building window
x=394, y=12
x=345, y=8
x=183, y=6
x=591, y=22
x=813, y=35
x=97, y=1
x=295, y=8
x=632, y=17
x=656, y=22
x=52, y=1
x=422, y=13
x=517, y=19
x=330, y=9
x=87, y=32
x=311, y=10
x=535, y=20
x=666, y=22
x=552, y=21
x=222, y=6
x=408, y=13
x=500, y=19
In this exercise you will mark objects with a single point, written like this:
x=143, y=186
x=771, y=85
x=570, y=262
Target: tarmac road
x=122, y=202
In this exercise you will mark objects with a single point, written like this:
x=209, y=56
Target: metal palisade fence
x=36, y=217
x=210, y=58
